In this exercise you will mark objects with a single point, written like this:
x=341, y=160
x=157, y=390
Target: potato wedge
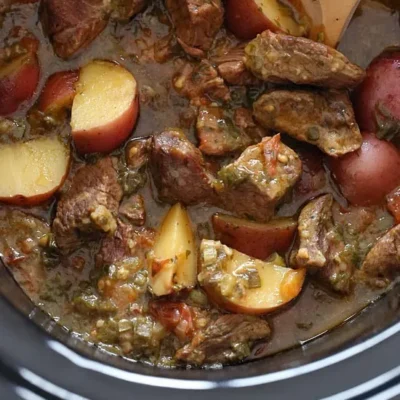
x=173, y=261
x=243, y=284
x=32, y=171
x=247, y=18
x=252, y=238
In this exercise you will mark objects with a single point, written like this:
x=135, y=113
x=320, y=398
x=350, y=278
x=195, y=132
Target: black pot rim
x=38, y=358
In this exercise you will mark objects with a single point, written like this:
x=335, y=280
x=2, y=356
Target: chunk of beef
x=88, y=209
x=251, y=186
x=279, y=58
x=180, y=171
x=126, y=242
x=323, y=118
x=200, y=83
x=321, y=248
x=72, y=25
x=243, y=119
x=221, y=131
x=123, y=10
x=315, y=223
x=196, y=23
x=133, y=210
x=225, y=340
x=232, y=68
x=236, y=73
x=256, y=182
x=382, y=264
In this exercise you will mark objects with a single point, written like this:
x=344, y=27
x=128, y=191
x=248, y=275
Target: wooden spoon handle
x=337, y=15
x=333, y=15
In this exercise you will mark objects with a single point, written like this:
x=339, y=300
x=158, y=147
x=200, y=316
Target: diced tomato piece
x=271, y=151
x=177, y=317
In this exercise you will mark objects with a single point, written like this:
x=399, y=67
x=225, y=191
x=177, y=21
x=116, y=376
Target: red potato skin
x=367, y=175
x=245, y=20
x=19, y=86
x=256, y=240
x=59, y=92
x=172, y=315
x=104, y=139
x=380, y=87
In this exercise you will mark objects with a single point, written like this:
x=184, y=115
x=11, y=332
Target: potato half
x=32, y=171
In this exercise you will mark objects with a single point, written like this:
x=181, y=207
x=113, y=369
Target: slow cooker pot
x=39, y=358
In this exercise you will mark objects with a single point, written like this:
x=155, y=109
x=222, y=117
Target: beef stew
x=158, y=122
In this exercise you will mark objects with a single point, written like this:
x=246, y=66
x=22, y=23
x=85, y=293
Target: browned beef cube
x=200, y=83
x=321, y=248
x=252, y=186
x=382, y=264
x=133, y=210
x=180, y=171
x=243, y=119
x=126, y=242
x=236, y=73
x=72, y=25
x=222, y=131
x=226, y=340
x=258, y=180
x=323, y=118
x=315, y=222
x=232, y=68
x=90, y=206
x=279, y=58
x=196, y=23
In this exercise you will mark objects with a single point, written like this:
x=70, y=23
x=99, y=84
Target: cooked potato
x=377, y=99
x=173, y=261
x=247, y=18
x=19, y=76
x=252, y=238
x=59, y=92
x=105, y=108
x=243, y=284
x=32, y=171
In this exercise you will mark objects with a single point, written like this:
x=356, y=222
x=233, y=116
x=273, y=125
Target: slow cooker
x=357, y=360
